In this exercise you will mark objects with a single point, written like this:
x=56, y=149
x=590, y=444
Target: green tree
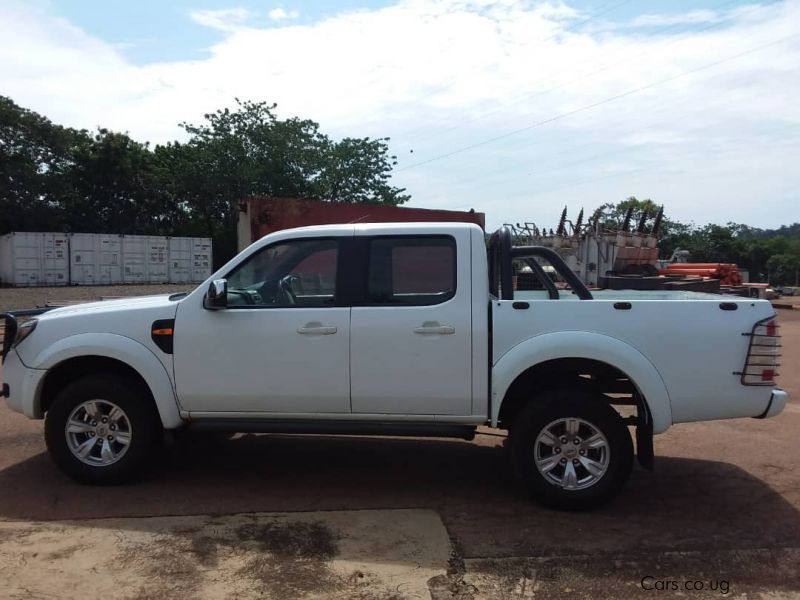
x=249, y=151
x=784, y=268
x=117, y=188
x=57, y=178
x=674, y=235
x=612, y=216
x=357, y=170
x=36, y=162
x=716, y=243
x=671, y=234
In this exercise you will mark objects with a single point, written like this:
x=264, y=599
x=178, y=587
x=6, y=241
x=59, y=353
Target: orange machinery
x=727, y=273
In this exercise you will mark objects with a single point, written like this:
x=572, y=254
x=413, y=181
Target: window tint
x=411, y=270
x=300, y=273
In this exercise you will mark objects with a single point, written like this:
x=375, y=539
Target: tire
x=586, y=471
x=114, y=451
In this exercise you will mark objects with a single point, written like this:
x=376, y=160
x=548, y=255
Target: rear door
x=411, y=339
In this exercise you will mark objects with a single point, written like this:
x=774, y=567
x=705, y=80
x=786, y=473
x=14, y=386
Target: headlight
x=23, y=331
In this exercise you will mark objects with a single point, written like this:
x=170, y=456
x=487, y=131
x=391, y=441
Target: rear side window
x=411, y=270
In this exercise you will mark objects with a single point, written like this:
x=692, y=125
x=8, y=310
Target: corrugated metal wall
x=202, y=258
x=157, y=259
x=180, y=260
x=189, y=259
x=46, y=259
x=134, y=259
x=34, y=258
x=95, y=259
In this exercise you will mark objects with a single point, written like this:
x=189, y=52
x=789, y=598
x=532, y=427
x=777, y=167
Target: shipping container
x=157, y=259
x=45, y=259
x=260, y=216
x=21, y=259
x=189, y=259
x=95, y=259
x=134, y=258
x=144, y=259
x=180, y=260
x=34, y=259
x=202, y=259
x=55, y=258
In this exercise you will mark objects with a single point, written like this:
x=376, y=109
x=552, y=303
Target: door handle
x=433, y=327
x=316, y=328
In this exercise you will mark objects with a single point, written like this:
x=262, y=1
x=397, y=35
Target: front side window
x=411, y=271
x=297, y=273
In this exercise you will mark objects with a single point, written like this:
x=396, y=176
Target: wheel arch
x=541, y=362
x=79, y=355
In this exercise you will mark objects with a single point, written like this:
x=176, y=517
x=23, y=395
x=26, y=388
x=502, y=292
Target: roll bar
x=501, y=253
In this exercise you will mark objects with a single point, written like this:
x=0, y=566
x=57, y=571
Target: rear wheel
x=102, y=430
x=572, y=449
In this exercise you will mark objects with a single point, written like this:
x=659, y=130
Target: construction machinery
x=619, y=257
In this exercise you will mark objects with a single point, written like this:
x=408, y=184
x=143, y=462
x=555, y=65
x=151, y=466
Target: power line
x=642, y=169
x=586, y=180
x=594, y=104
x=421, y=137
x=603, y=10
x=479, y=179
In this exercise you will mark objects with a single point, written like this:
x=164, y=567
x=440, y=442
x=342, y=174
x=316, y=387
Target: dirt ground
x=720, y=512
x=344, y=554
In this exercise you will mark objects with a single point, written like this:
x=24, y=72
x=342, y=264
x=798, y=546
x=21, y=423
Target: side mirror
x=217, y=295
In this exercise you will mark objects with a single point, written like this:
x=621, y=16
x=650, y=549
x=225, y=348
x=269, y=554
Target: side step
x=465, y=432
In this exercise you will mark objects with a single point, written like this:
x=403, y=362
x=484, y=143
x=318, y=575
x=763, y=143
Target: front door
x=281, y=346
x=411, y=340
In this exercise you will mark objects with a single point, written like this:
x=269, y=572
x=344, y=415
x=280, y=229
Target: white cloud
x=720, y=144
x=229, y=19
x=690, y=18
x=280, y=14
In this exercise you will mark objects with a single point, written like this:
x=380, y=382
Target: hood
x=104, y=306
x=132, y=318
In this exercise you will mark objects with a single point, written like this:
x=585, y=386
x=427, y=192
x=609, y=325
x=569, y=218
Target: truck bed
x=686, y=336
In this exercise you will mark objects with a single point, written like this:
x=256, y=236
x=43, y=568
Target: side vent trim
x=162, y=332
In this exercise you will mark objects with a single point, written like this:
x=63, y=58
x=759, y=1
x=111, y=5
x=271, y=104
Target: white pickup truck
x=395, y=329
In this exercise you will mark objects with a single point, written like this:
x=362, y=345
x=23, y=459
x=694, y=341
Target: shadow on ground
x=685, y=505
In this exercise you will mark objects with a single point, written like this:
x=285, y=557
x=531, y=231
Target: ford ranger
x=395, y=329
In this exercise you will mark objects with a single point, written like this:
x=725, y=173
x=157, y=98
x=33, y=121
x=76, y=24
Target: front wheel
x=102, y=430
x=572, y=449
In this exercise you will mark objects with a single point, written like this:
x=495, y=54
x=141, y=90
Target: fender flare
x=124, y=349
x=588, y=345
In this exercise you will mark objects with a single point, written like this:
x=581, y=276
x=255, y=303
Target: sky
x=515, y=108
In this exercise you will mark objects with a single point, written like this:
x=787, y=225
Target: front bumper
x=22, y=385
x=777, y=402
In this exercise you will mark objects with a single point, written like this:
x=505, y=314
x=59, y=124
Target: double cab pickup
x=412, y=329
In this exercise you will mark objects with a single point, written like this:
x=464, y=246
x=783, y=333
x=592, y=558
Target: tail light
x=761, y=365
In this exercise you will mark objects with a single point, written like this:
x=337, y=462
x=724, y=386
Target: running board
x=465, y=432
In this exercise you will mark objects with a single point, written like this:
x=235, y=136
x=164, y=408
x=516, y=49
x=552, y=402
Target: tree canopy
x=57, y=178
